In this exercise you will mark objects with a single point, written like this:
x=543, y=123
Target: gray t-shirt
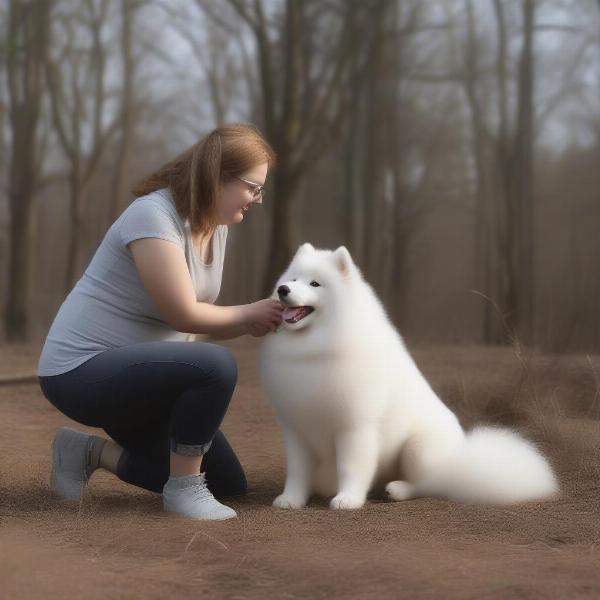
x=109, y=306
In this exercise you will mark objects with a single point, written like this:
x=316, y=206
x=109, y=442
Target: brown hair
x=194, y=176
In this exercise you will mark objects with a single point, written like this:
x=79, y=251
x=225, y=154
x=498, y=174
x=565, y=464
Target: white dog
x=357, y=414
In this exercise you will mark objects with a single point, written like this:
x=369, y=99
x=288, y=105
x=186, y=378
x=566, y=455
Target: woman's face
x=238, y=196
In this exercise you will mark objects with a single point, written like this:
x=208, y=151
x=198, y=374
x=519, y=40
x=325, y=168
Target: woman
x=116, y=355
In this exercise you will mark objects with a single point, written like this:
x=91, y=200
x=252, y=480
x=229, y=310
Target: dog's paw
x=283, y=501
x=346, y=502
x=399, y=490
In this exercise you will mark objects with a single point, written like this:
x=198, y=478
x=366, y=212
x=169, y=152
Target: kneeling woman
x=117, y=357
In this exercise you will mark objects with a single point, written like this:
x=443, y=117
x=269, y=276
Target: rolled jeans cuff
x=190, y=449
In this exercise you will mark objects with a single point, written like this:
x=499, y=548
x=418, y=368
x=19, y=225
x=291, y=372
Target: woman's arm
x=164, y=273
x=228, y=334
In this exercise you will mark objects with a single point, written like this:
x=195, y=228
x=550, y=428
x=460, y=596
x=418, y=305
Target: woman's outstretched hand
x=263, y=316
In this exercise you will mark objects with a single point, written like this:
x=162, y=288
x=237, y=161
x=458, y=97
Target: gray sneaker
x=70, y=464
x=189, y=496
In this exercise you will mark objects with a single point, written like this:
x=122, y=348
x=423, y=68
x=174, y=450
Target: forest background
x=453, y=146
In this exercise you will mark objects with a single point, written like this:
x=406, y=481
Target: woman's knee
x=223, y=365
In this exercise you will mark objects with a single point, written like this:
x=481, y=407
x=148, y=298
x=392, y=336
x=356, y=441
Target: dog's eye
x=315, y=284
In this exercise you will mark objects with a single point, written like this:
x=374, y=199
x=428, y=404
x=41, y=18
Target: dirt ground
x=118, y=543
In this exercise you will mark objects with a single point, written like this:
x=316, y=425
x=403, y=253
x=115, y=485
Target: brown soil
x=118, y=543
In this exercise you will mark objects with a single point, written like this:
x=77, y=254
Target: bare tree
x=72, y=77
x=375, y=204
x=225, y=75
x=126, y=122
x=503, y=190
x=221, y=74
x=478, y=141
x=522, y=186
x=514, y=182
x=26, y=50
x=300, y=117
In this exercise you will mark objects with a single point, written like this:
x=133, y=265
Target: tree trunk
x=74, y=230
x=502, y=244
x=481, y=246
x=119, y=191
x=27, y=37
x=353, y=157
x=283, y=231
x=283, y=238
x=373, y=166
x=523, y=183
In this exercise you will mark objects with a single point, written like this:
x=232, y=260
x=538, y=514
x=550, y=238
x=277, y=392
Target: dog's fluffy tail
x=494, y=466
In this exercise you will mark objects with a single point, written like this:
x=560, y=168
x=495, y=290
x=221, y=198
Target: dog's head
x=314, y=285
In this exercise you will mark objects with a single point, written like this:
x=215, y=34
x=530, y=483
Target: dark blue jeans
x=154, y=397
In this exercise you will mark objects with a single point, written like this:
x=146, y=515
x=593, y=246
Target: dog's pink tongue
x=291, y=313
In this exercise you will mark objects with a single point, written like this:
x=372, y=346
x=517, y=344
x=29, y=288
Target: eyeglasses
x=256, y=189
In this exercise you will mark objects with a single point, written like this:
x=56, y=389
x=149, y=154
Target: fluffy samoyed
x=359, y=418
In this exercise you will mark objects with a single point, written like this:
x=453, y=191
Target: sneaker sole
x=182, y=516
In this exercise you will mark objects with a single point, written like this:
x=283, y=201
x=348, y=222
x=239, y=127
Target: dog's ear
x=343, y=260
x=306, y=247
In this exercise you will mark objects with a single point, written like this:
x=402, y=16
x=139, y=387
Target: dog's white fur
x=357, y=414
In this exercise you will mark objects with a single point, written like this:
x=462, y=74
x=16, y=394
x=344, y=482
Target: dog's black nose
x=283, y=290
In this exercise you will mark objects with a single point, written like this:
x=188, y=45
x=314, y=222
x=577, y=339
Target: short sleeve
x=146, y=219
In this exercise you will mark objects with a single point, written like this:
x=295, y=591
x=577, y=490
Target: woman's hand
x=263, y=316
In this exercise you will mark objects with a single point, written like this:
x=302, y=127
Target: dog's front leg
x=297, y=487
x=356, y=460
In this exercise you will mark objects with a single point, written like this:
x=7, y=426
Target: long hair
x=195, y=176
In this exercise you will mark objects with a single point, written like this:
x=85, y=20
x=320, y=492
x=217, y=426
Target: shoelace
x=201, y=491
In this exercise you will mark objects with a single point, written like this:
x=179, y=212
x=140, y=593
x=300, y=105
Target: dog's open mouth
x=293, y=314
